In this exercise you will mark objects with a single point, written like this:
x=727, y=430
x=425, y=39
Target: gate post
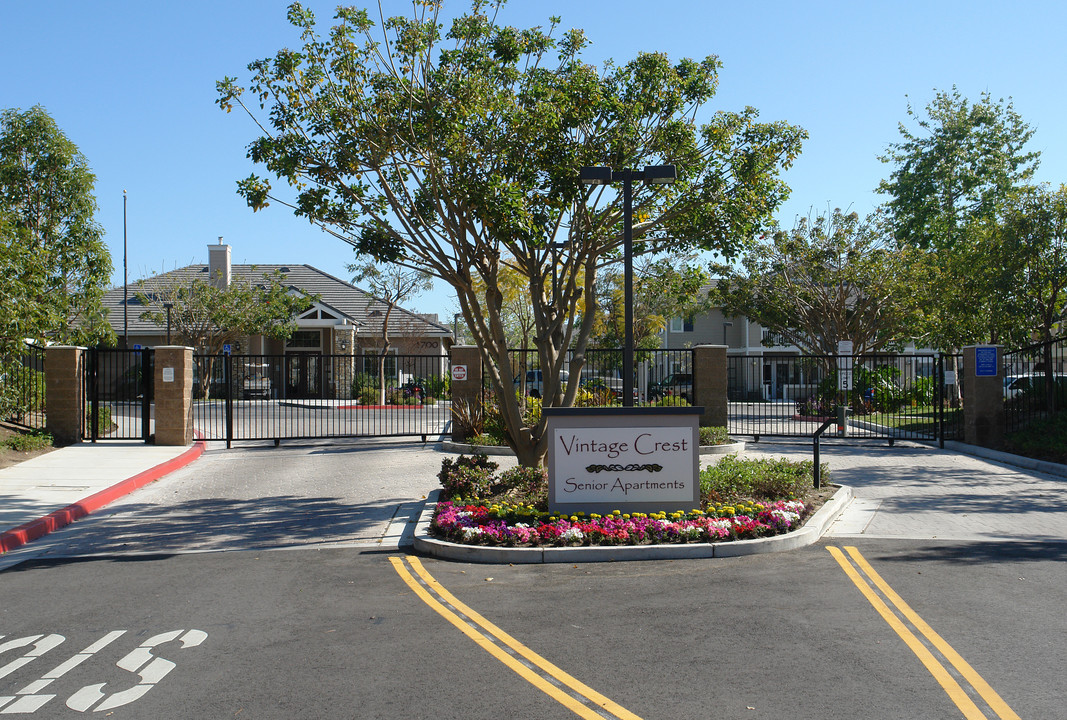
x=64, y=370
x=173, y=378
x=709, y=384
x=983, y=401
x=466, y=389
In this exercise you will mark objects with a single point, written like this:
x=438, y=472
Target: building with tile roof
x=345, y=321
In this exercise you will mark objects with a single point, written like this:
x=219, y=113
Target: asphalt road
x=339, y=625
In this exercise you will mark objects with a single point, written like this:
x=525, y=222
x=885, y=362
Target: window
x=305, y=339
x=369, y=362
x=679, y=324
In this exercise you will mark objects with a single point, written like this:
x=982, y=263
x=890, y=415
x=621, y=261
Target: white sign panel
x=844, y=378
x=631, y=463
x=459, y=372
x=168, y=374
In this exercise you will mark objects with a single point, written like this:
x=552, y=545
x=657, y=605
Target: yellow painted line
x=996, y=703
x=493, y=649
x=950, y=686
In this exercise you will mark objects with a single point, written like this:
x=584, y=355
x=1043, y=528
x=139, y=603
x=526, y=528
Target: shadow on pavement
x=211, y=524
x=974, y=553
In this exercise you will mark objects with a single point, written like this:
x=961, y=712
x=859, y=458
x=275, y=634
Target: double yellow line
x=554, y=682
x=856, y=569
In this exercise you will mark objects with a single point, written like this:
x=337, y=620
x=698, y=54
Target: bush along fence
x=22, y=387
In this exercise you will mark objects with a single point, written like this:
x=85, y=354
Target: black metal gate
x=311, y=395
x=118, y=393
x=881, y=396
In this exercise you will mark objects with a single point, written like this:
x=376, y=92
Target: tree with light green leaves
x=954, y=178
x=207, y=317
x=56, y=266
x=454, y=147
x=831, y=277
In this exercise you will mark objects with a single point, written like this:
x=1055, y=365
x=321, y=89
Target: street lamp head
x=596, y=175
x=660, y=174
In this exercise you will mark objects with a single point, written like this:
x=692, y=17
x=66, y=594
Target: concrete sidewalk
x=916, y=491
x=49, y=491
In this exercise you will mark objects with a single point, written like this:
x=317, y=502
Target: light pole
x=168, y=305
x=125, y=282
x=651, y=175
x=455, y=327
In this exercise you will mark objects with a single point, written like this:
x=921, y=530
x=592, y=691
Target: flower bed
x=478, y=523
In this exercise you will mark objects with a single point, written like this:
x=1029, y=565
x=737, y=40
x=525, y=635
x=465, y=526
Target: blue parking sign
x=226, y=348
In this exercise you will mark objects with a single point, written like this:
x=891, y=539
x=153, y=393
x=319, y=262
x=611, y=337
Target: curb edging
x=810, y=533
x=30, y=531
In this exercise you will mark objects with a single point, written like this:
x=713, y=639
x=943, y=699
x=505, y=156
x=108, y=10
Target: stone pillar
x=983, y=400
x=64, y=370
x=174, y=395
x=709, y=384
x=466, y=388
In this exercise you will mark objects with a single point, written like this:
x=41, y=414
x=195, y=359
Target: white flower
x=472, y=532
x=573, y=535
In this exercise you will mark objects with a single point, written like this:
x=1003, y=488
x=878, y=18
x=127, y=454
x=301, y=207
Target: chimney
x=218, y=265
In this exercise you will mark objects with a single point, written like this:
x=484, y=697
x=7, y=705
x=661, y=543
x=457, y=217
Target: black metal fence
x=658, y=374
x=22, y=387
x=1035, y=383
x=883, y=396
x=303, y=396
x=118, y=393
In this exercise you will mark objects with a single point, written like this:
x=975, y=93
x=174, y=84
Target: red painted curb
x=27, y=532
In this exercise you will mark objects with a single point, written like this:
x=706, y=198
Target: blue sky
x=133, y=85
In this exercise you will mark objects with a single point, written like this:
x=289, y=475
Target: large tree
x=456, y=151
x=962, y=164
x=954, y=177
x=831, y=277
x=205, y=316
x=57, y=263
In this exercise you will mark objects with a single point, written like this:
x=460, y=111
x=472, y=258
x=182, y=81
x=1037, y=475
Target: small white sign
x=950, y=377
x=844, y=379
x=459, y=372
x=168, y=374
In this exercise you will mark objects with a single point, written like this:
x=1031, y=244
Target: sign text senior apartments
x=605, y=459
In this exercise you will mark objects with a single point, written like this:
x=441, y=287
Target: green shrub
x=467, y=477
x=369, y=396
x=438, y=386
x=1042, y=440
x=671, y=401
x=103, y=419
x=527, y=481
x=27, y=442
x=771, y=479
x=714, y=436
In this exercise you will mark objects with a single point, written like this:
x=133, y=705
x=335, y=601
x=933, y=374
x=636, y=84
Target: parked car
x=606, y=384
x=256, y=383
x=676, y=385
x=1032, y=384
x=535, y=382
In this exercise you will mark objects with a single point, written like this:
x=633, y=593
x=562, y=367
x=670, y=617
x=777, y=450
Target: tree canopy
x=831, y=277
x=960, y=166
x=955, y=177
x=207, y=317
x=55, y=264
x=456, y=150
